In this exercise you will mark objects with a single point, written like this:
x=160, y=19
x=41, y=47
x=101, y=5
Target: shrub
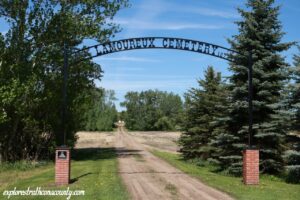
x=164, y=124
x=21, y=165
x=293, y=174
x=198, y=161
x=292, y=157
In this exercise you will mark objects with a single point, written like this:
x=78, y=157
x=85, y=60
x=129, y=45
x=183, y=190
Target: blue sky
x=177, y=71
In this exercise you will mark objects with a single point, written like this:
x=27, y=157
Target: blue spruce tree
x=292, y=156
x=203, y=105
x=260, y=32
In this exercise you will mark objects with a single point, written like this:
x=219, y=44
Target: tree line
x=152, y=110
x=216, y=116
x=100, y=112
x=31, y=60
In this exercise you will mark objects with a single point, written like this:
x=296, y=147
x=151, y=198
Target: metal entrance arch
x=158, y=43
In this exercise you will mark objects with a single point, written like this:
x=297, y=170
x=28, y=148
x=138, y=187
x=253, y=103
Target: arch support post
x=63, y=153
x=64, y=95
x=250, y=154
x=250, y=99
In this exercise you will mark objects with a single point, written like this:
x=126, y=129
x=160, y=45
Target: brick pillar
x=62, y=165
x=251, y=167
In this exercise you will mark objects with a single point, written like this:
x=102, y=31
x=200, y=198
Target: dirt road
x=150, y=178
x=160, y=140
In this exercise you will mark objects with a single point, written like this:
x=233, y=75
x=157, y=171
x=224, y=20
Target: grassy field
x=270, y=188
x=94, y=170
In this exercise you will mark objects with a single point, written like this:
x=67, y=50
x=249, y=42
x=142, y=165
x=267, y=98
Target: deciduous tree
x=31, y=67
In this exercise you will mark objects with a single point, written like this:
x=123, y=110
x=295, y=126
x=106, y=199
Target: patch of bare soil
x=150, y=178
x=95, y=139
x=161, y=140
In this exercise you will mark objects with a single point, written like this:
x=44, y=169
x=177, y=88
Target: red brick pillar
x=62, y=165
x=251, y=166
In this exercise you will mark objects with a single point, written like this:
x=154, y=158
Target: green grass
x=172, y=189
x=21, y=165
x=139, y=158
x=270, y=188
x=94, y=170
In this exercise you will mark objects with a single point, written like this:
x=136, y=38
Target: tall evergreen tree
x=296, y=92
x=292, y=156
x=260, y=32
x=202, y=107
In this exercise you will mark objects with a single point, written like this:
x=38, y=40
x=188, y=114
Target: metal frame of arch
x=158, y=43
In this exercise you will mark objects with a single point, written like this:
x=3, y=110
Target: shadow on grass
x=73, y=180
x=91, y=154
x=84, y=154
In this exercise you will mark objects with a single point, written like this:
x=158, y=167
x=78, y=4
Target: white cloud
x=130, y=69
x=122, y=82
x=213, y=12
x=119, y=85
x=126, y=58
x=149, y=76
x=150, y=25
x=185, y=8
x=148, y=18
x=146, y=13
